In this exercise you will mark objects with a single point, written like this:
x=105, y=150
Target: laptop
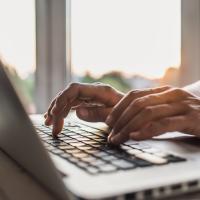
x=81, y=165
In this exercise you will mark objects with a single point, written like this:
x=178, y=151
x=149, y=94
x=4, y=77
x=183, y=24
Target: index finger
x=100, y=92
x=126, y=100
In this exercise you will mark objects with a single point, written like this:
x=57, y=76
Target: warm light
x=17, y=35
x=134, y=36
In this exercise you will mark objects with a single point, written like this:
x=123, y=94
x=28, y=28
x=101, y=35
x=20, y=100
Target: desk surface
x=16, y=184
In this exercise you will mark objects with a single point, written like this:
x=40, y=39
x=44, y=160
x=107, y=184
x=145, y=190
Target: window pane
x=128, y=43
x=17, y=45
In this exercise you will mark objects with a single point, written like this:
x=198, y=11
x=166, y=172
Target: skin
x=139, y=118
x=138, y=115
x=92, y=102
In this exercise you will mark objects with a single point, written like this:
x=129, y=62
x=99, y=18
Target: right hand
x=92, y=102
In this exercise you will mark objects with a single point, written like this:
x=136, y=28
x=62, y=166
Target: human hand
x=140, y=115
x=92, y=102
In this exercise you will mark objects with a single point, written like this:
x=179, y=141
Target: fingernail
x=83, y=112
x=108, y=120
x=110, y=136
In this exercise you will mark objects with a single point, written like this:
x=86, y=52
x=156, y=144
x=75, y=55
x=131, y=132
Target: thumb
x=93, y=114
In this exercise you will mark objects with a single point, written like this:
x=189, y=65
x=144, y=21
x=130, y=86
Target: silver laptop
x=81, y=165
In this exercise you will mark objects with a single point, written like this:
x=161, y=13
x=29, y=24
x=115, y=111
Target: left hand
x=151, y=115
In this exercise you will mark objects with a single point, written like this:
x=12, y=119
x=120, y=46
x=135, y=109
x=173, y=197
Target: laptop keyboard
x=87, y=148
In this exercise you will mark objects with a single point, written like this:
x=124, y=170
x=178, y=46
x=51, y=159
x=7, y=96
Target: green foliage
x=115, y=79
x=24, y=87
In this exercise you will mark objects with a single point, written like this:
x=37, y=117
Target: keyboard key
x=76, y=136
x=90, y=142
x=73, y=160
x=50, y=148
x=98, y=162
x=87, y=147
x=94, y=137
x=101, y=154
x=107, y=168
x=78, y=144
x=139, y=162
x=122, y=164
x=92, y=170
x=89, y=159
x=72, y=151
x=83, y=139
x=82, y=164
x=80, y=155
x=56, y=151
x=109, y=158
x=97, y=145
x=161, y=154
x=152, y=158
x=65, y=155
x=92, y=151
x=66, y=147
x=68, y=133
x=61, y=144
x=70, y=141
x=172, y=158
x=84, y=133
x=152, y=150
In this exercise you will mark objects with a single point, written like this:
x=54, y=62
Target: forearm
x=193, y=88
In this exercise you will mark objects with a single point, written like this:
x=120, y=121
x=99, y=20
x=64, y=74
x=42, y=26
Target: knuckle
x=148, y=111
x=137, y=103
x=152, y=127
x=165, y=122
x=73, y=85
x=98, y=83
x=167, y=87
x=58, y=100
x=107, y=87
x=178, y=91
x=132, y=93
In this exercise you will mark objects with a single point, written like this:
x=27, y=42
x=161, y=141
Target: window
x=17, y=46
x=126, y=43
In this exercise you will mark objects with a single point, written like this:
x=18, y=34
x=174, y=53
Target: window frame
x=53, y=47
x=53, y=50
x=190, y=42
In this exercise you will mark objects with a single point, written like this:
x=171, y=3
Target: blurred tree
x=24, y=87
x=114, y=78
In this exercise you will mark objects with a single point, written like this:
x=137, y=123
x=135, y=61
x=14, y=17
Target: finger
x=129, y=122
x=45, y=115
x=155, y=128
x=93, y=114
x=48, y=116
x=57, y=126
x=98, y=92
x=165, y=97
x=126, y=100
x=77, y=104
